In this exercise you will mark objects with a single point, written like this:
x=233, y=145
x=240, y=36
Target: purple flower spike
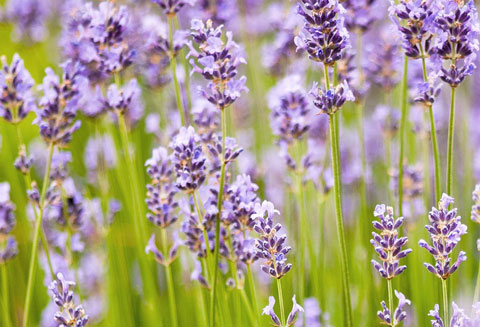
x=161, y=191
x=399, y=314
x=217, y=61
x=16, y=96
x=296, y=308
x=8, y=245
x=445, y=231
x=126, y=100
x=269, y=246
x=330, y=101
x=188, y=160
x=388, y=245
x=324, y=36
x=63, y=297
x=269, y=310
x=59, y=104
x=476, y=204
x=458, y=319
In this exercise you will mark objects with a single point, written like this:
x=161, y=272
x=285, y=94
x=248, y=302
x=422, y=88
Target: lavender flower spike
x=9, y=249
x=172, y=7
x=63, y=297
x=398, y=316
x=445, y=231
x=269, y=310
x=16, y=96
x=331, y=100
x=269, y=246
x=217, y=61
x=476, y=204
x=388, y=245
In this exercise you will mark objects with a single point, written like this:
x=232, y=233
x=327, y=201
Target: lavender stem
x=280, y=300
x=178, y=95
x=451, y=125
x=6, y=309
x=445, y=303
x=403, y=123
x=170, y=284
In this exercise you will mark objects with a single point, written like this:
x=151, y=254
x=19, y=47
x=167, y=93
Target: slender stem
x=253, y=294
x=217, y=223
x=390, y=299
x=446, y=321
x=6, y=301
x=451, y=125
x=403, y=123
x=433, y=131
x=280, y=300
x=170, y=284
x=38, y=228
x=200, y=219
x=178, y=94
x=187, y=76
x=337, y=190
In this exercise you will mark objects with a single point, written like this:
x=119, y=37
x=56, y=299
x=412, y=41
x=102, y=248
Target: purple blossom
x=361, y=14
x=412, y=181
x=29, y=18
x=161, y=191
x=206, y=118
x=428, y=91
x=126, y=100
x=331, y=100
x=324, y=35
x=159, y=256
x=313, y=315
x=172, y=7
x=292, y=316
x=217, y=61
x=59, y=105
x=63, y=296
x=476, y=204
x=270, y=247
x=445, y=231
x=99, y=155
x=16, y=96
x=232, y=151
x=459, y=317
x=188, y=160
x=23, y=162
x=8, y=245
x=388, y=244
x=399, y=315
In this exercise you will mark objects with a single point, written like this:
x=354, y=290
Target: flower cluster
x=412, y=181
x=8, y=245
x=457, y=29
x=445, y=231
x=161, y=192
x=172, y=7
x=59, y=104
x=217, y=61
x=417, y=31
x=360, y=14
x=324, y=35
x=125, y=101
x=270, y=246
x=388, y=245
x=476, y=204
x=97, y=39
x=399, y=314
x=29, y=18
x=459, y=317
x=188, y=160
x=331, y=100
x=292, y=316
x=16, y=96
x=63, y=297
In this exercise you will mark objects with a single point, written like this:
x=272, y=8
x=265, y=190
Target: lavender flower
x=206, y=119
x=313, y=316
x=59, y=105
x=16, y=96
x=97, y=38
x=29, y=18
x=126, y=100
x=458, y=319
x=458, y=28
x=172, y=7
x=232, y=151
x=330, y=101
x=476, y=204
x=388, y=245
x=427, y=92
x=159, y=256
x=360, y=14
x=23, y=162
x=63, y=297
x=324, y=35
x=217, y=61
x=417, y=32
x=8, y=245
x=445, y=231
x=188, y=160
x=99, y=155
x=161, y=192
x=270, y=246
x=398, y=316
x=412, y=181
x=292, y=316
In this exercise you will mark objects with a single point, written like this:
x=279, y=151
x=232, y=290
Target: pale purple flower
x=476, y=204
x=172, y=7
x=29, y=18
x=331, y=100
x=399, y=314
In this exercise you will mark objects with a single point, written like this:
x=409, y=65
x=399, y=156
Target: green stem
x=451, y=125
x=390, y=300
x=6, y=301
x=178, y=94
x=446, y=321
x=403, y=123
x=38, y=229
x=280, y=301
x=217, y=223
x=433, y=131
x=337, y=190
x=253, y=294
x=187, y=76
x=170, y=284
